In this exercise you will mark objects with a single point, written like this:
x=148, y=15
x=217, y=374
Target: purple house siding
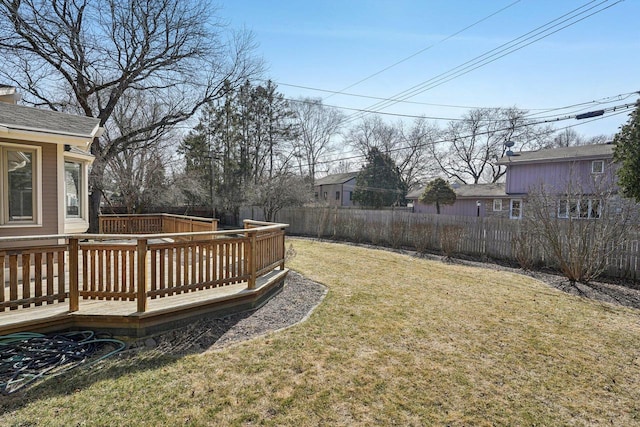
x=556, y=175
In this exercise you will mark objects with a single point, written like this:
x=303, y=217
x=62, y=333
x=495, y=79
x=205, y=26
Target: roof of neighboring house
x=29, y=119
x=338, y=178
x=468, y=191
x=595, y=151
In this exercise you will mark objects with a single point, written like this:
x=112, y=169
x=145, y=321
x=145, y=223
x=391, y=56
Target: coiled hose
x=26, y=357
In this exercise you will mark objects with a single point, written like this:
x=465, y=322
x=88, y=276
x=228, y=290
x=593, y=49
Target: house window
x=515, y=210
x=597, y=166
x=337, y=195
x=497, y=204
x=325, y=195
x=20, y=188
x=73, y=175
x=580, y=209
x=350, y=195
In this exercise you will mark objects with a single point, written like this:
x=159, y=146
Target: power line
x=494, y=54
x=423, y=50
x=621, y=109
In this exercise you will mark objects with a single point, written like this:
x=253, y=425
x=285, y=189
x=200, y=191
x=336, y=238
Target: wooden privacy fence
x=135, y=267
x=498, y=238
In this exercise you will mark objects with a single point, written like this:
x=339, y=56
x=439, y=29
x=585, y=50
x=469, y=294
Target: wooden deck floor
x=121, y=317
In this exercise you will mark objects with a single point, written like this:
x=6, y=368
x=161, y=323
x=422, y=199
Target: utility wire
x=423, y=50
x=495, y=54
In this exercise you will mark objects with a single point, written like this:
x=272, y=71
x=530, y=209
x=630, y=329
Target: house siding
x=331, y=189
x=461, y=207
x=555, y=176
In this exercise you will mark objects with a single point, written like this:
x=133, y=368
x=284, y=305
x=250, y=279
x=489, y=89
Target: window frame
x=595, y=162
x=337, y=195
x=36, y=185
x=511, y=202
x=579, y=209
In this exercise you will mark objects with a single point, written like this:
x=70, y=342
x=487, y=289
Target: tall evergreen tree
x=379, y=183
x=627, y=152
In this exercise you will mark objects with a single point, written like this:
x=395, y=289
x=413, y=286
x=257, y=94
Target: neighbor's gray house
x=555, y=169
x=336, y=189
x=44, y=162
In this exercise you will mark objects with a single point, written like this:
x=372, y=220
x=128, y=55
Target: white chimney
x=8, y=94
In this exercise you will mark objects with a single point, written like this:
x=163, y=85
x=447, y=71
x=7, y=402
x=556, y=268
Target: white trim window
x=73, y=189
x=597, y=166
x=497, y=205
x=580, y=209
x=515, y=209
x=20, y=194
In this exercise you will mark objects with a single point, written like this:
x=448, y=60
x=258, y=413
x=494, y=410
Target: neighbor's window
x=350, y=195
x=73, y=189
x=497, y=204
x=337, y=195
x=584, y=208
x=515, y=209
x=19, y=192
x=325, y=195
x=597, y=166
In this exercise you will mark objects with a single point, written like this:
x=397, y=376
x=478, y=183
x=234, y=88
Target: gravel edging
x=292, y=305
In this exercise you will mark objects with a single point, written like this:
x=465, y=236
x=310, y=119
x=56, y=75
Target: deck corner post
x=74, y=292
x=142, y=275
x=253, y=251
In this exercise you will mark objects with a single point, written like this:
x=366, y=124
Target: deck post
x=74, y=293
x=253, y=250
x=284, y=250
x=142, y=275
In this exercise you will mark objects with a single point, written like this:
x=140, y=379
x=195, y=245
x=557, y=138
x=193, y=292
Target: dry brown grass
x=398, y=340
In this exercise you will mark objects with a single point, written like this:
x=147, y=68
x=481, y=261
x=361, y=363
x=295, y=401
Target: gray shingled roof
x=19, y=117
x=596, y=151
x=338, y=178
x=468, y=190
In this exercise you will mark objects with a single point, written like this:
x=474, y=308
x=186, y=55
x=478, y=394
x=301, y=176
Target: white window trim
x=593, y=163
x=497, y=205
x=4, y=189
x=511, y=209
x=581, y=205
x=81, y=223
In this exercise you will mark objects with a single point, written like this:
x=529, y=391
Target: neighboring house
x=557, y=169
x=336, y=189
x=44, y=162
x=471, y=200
x=554, y=169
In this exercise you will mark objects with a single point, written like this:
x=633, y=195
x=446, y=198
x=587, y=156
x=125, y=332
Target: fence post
x=253, y=251
x=74, y=292
x=142, y=275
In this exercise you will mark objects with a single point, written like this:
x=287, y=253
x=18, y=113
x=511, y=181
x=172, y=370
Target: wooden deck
x=122, y=318
x=140, y=285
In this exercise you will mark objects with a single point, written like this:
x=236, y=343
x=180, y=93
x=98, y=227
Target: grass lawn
x=397, y=341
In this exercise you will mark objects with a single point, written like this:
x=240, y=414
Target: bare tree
x=85, y=56
x=580, y=224
x=475, y=143
x=568, y=137
x=407, y=147
x=281, y=190
x=317, y=125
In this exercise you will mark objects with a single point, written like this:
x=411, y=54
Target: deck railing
x=155, y=223
x=135, y=267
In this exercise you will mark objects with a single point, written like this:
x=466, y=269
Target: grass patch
x=398, y=340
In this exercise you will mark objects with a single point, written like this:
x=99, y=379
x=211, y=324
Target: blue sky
x=331, y=44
